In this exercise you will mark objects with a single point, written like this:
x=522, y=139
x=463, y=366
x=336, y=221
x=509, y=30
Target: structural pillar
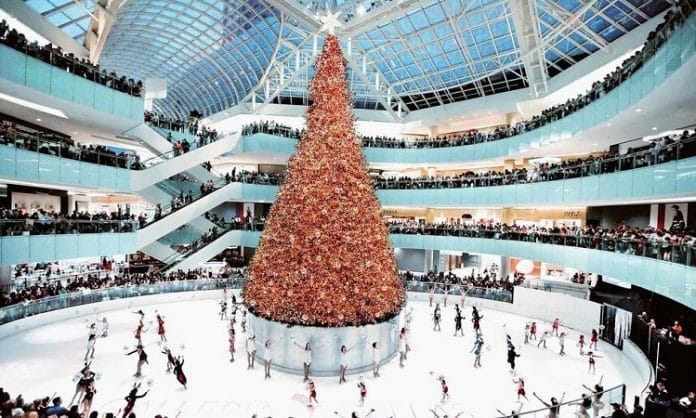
x=428, y=264
x=6, y=278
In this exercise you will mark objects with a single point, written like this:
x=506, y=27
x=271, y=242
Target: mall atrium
x=395, y=208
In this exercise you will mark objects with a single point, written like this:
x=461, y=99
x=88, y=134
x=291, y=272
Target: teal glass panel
x=37, y=75
x=42, y=247
x=108, y=177
x=104, y=99
x=686, y=175
x=122, y=106
x=89, y=174
x=67, y=246
x=69, y=171
x=14, y=65
x=62, y=83
x=84, y=92
x=15, y=250
x=27, y=164
x=49, y=168
x=7, y=161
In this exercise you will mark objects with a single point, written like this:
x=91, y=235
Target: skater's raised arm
x=143, y=395
x=562, y=396
x=541, y=400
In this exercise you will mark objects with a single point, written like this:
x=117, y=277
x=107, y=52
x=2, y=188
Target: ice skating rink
x=45, y=360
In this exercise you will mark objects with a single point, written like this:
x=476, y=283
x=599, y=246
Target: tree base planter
x=326, y=344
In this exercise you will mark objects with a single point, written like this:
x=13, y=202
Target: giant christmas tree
x=325, y=256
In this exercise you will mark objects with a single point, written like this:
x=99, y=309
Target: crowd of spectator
x=48, y=222
x=676, y=244
x=665, y=149
x=658, y=151
x=81, y=67
x=12, y=135
x=672, y=20
x=191, y=125
x=96, y=280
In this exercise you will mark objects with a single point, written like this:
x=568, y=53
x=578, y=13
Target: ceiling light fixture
x=33, y=106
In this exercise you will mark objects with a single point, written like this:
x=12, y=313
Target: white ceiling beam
x=526, y=21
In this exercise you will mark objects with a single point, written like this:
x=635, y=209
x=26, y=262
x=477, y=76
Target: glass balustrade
x=61, y=77
x=22, y=227
x=603, y=408
x=67, y=300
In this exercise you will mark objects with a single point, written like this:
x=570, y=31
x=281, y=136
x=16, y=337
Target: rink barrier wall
x=287, y=343
x=640, y=362
x=578, y=314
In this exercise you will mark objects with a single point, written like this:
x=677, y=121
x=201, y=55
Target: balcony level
x=36, y=241
x=31, y=159
x=22, y=70
x=674, y=280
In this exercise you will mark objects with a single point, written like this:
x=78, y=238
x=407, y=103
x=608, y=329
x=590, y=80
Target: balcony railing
x=20, y=227
x=67, y=300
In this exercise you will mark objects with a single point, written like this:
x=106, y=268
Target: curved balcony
x=24, y=241
x=622, y=180
x=20, y=68
x=612, y=258
x=670, y=57
x=29, y=158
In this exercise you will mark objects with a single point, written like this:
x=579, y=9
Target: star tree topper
x=330, y=22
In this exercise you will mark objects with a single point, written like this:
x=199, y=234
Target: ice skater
x=170, y=358
x=251, y=351
x=437, y=315
x=376, y=358
x=138, y=334
x=179, y=371
x=443, y=388
x=90, y=390
x=554, y=326
x=591, y=360
x=511, y=357
x=597, y=391
x=91, y=341
x=160, y=328
x=131, y=398
x=544, y=336
x=85, y=376
x=593, y=340
x=533, y=331
x=527, y=332
x=561, y=342
x=431, y=296
x=307, y=363
x=444, y=296
x=104, y=328
x=223, y=309
x=343, y=366
x=554, y=406
x=476, y=319
x=478, y=346
x=513, y=414
x=243, y=321
x=458, y=318
x=581, y=344
x=363, y=391
x=268, y=358
x=141, y=313
x=402, y=347
x=231, y=341
x=583, y=405
x=142, y=359
x=312, y=393
x=521, y=393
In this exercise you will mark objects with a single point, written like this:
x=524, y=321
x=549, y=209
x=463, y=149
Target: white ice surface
x=44, y=361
